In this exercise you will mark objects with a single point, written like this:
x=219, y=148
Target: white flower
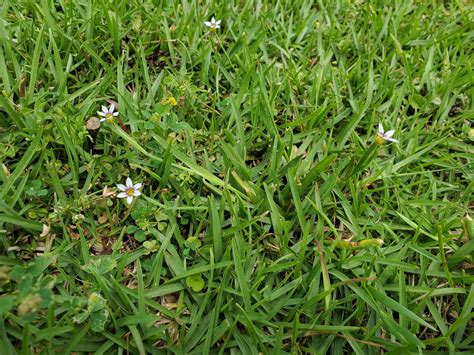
x=108, y=113
x=129, y=191
x=213, y=24
x=385, y=136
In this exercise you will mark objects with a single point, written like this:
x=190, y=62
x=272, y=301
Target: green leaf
x=22, y=222
x=40, y=264
x=140, y=209
x=98, y=320
x=397, y=307
x=101, y=265
x=6, y=303
x=95, y=302
x=81, y=317
x=195, y=282
x=193, y=243
x=46, y=297
x=149, y=125
x=25, y=285
x=139, y=236
x=150, y=246
x=131, y=229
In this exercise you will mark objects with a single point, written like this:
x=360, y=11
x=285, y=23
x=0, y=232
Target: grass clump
x=235, y=193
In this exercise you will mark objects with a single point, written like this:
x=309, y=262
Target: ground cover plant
x=239, y=176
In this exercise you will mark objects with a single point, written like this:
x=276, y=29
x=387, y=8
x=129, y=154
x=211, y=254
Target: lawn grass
x=270, y=220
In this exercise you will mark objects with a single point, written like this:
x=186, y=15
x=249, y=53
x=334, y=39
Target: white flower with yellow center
x=383, y=136
x=108, y=114
x=213, y=24
x=129, y=190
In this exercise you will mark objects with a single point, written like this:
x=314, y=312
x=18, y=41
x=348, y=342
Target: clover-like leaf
x=193, y=243
x=101, y=265
x=6, y=303
x=81, y=317
x=95, y=302
x=150, y=246
x=140, y=209
x=195, y=282
x=98, y=320
x=139, y=236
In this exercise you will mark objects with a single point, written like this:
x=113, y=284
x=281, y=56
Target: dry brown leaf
x=170, y=301
x=107, y=192
x=93, y=124
x=45, y=231
x=5, y=170
x=103, y=218
x=173, y=332
x=72, y=232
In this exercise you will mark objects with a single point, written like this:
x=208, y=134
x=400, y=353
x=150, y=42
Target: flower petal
x=129, y=183
x=115, y=114
x=391, y=139
x=129, y=199
x=218, y=22
x=381, y=131
x=389, y=133
x=138, y=185
x=122, y=187
x=112, y=108
x=136, y=193
x=122, y=195
x=104, y=109
x=100, y=113
x=213, y=20
x=218, y=26
x=208, y=24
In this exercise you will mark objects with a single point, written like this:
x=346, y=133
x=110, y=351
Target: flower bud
x=29, y=305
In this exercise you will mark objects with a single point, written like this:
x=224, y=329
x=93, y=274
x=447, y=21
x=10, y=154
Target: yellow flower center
x=129, y=192
x=172, y=101
x=109, y=117
x=379, y=140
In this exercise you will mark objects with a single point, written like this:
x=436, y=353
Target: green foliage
x=150, y=246
x=95, y=313
x=101, y=265
x=271, y=219
x=26, y=289
x=195, y=282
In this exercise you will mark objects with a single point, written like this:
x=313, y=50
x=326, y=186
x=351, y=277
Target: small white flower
x=108, y=113
x=213, y=24
x=385, y=136
x=129, y=190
